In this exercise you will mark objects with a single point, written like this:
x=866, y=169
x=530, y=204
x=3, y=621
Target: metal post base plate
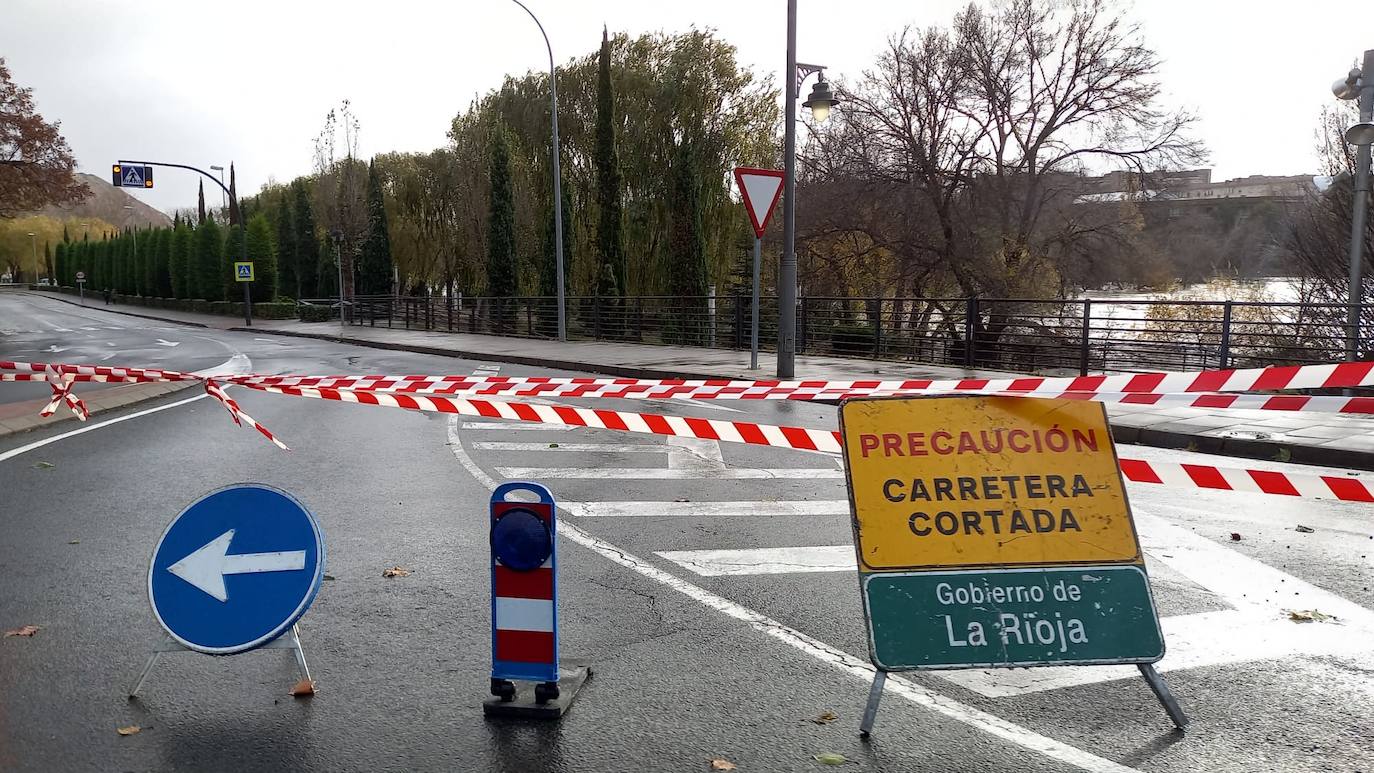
x=524, y=706
x=291, y=640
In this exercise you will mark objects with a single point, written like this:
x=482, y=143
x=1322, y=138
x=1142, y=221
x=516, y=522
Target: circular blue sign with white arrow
x=236, y=569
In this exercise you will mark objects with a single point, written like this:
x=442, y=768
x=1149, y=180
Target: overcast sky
x=251, y=81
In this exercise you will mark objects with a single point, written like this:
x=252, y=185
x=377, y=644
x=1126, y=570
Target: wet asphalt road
x=691, y=663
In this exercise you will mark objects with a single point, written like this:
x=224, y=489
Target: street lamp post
x=135, y=260
x=224, y=201
x=336, y=236
x=33, y=241
x=557, y=177
x=1358, y=85
x=820, y=102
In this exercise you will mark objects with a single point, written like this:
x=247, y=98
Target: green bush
x=312, y=313
x=277, y=310
x=851, y=339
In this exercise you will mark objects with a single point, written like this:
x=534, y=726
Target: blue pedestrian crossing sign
x=236, y=569
x=243, y=271
x=131, y=176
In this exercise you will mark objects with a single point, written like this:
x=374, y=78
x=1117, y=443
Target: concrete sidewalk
x=1325, y=439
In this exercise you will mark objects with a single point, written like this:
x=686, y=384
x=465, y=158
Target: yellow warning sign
x=973, y=480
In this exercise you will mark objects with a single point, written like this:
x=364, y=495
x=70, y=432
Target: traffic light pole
x=243, y=243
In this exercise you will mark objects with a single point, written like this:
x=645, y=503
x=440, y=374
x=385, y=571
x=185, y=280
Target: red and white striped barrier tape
x=236, y=413
x=1327, y=376
x=1350, y=489
x=724, y=390
x=61, y=378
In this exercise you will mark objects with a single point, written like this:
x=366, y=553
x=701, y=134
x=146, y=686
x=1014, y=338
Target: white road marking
x=718, y=563
x=661, y=473
x=839, y=508
x=109, y=356
x=237, y=364
x=1256, y=628
x=515, y=426
x=55, y=349
x=165, y=342
x=842, y=661
x=62, y=330
x=13, y=452
x=607, y=448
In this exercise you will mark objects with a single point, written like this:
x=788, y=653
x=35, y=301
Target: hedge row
x=275, y=310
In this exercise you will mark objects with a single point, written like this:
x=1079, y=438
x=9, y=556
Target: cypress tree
x=200, y=204
x=374, y=267
x=687, y=247
x=235, y=217
x=501, y=268
x=204, y=275
x=264, y=258
x=609, y=236
x=48, y=262
x=307, y=247
x=60, y=264
x=162, y=261
x=286, y=285
x=179, y=266
x=327, y=286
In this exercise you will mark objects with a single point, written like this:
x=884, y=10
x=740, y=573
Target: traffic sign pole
x=754, y=315
x=759, y=188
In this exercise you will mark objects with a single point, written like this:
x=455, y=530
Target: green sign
x=990, y=618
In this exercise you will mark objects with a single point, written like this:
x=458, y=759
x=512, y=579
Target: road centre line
x=857, y=668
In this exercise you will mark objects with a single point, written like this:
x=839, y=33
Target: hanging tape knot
x=61, y=385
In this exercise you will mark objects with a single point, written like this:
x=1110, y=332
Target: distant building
x=1195, y=185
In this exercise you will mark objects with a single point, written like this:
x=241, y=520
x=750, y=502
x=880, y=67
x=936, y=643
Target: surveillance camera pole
x=1357, y=220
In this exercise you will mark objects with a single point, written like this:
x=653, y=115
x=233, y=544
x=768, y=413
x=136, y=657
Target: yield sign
x=761, y=189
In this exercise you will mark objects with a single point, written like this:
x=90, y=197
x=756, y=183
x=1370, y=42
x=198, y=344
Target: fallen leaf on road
x=396, y=571
x=830, y=758
x=130, y=730
x=1235, y=536
x=553, y=445
x=23, y=630
x=73, y=542
x=328, y=577
x=825, y=718
x=1307, y=616
x=44, y=466
x=303, y=689
x=720, y=764
x=1304, y=529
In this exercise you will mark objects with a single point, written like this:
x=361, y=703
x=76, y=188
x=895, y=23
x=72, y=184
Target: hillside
x=107, y=203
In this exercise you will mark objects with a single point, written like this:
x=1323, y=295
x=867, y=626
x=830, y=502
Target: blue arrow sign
x=236, y=569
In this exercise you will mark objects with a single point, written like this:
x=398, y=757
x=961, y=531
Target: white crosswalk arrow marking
x=206, y=567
